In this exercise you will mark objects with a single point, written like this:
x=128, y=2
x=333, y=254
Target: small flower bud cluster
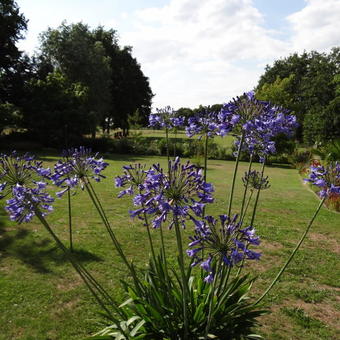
x=254, y=180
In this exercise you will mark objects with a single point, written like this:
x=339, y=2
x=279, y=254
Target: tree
x=12, y=23
x=53, y=110
x=304, y=84
x=116, y=85
x=73, y=51
x=130, y=89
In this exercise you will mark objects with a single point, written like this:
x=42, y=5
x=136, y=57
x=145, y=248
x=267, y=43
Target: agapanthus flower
x=23, y=182
x=327, y=178
x=259, y=121
x=77, y=166
x=254, y=180
x=166, y=118
x=178, y=193
x=206, y=123
x=224, y=240
x=134, y=176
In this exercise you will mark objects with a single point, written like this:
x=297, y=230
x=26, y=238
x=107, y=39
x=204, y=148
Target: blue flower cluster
x=134, y=176
x=178, y=193
x=327, y=178
x=224, y=241
x=206, y=123
x=260, y=122
x=23, y=180
x=77, y=166
x=166, y=118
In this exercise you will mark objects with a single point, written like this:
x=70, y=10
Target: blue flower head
x=23, y=183
x=179, y=193
x=327, y=178
x=166, y=118
x=206, y=123
x=260, y=122
x=223, y=240
x=76, y=167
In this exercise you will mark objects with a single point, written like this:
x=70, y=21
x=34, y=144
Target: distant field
x=43, y=298
x=222, y=141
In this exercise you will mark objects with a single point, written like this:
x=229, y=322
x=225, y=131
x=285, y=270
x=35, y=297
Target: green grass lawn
x=43, y=298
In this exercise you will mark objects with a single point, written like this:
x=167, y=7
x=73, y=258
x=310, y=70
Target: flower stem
x=147, y=224
x=246, y=186
x=205, y=157
x=184, y=278
x=167, y=146
x=258, y=194
x=211, y=302
x=235, y=172
x=70, y=219
x=247, y=205
x=292, y=254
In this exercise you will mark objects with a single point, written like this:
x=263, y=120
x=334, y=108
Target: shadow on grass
x=39, y=254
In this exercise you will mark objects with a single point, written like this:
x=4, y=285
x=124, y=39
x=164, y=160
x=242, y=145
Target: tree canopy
x=12, y=24
x=306, y=84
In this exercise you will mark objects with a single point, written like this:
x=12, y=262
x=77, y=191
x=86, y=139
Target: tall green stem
x=183, y=275
x=211, y=302
x=258, y=193
x=70, y=219
x=235, y=172
x=148, y=230
x=247, y=205
x=205, y=157
x=246, y=186
x=292, y=254
x=167, y=147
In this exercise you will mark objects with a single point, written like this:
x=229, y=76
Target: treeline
x=79, y=80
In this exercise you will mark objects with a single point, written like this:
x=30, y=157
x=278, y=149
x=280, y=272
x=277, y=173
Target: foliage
x=160, y=305
x=60, y=101
x=71, y=50
x=9, y=116
x=12, y=23
x=305, y=84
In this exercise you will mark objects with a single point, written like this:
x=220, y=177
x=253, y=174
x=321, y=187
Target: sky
x=198, y=51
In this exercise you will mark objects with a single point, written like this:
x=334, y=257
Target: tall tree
x=12, y=24
x=72, y=50
x=54, y=112
x=130, y=89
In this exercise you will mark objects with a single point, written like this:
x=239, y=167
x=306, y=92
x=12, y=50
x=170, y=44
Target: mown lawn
x=43, y=298
x=226, y=141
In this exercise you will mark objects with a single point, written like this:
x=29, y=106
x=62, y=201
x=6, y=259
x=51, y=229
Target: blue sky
x=198, y=51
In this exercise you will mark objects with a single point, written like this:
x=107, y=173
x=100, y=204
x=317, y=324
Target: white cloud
x=316, y=26
x=191, y=49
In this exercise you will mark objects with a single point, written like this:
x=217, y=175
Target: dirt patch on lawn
x=332, y=244
x=69, y=283
x=320, y=311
